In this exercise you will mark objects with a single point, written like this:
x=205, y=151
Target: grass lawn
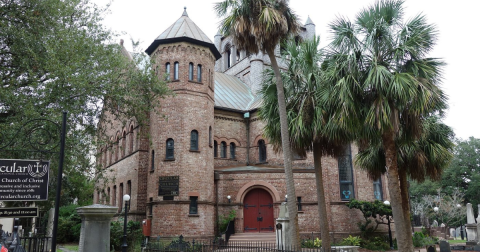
x=456, y=241
x=70, y=247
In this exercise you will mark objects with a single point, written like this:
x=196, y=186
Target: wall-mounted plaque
x=168, y=186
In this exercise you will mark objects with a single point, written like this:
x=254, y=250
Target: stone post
x=95, y=230
x=471, y=226
x=283, y=231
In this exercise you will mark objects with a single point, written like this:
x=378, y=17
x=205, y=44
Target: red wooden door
x=258, y=211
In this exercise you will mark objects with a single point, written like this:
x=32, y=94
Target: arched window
x=194, y=140
x=228, y=56
x=377, y=189
x=223, y=150
x=210, y=136
x=190, y=71
x=199, y=73
x=215, y=149
x=153, y=161
x=262, y=151
x=108, y=196
x=232, y=150
x=175, y=71
x=167, y=71
x=238, y=55
x=170, y=149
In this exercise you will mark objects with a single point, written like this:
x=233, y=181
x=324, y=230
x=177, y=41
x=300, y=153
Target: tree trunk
x=402, y=173
x=404, y=237
x=287, y=153
x=322, y=204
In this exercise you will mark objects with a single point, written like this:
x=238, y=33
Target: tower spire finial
x=185, y=11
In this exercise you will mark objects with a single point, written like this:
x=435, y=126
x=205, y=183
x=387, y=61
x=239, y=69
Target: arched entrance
x=258, y=211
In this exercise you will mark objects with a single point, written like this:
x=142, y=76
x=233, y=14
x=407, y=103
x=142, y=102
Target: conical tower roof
x=184, y=29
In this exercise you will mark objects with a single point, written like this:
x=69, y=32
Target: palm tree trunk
x=405, y=198
x=404, y=238
x=322, y=204
x=287, y=153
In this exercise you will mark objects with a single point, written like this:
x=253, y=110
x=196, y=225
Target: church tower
x=181, y=195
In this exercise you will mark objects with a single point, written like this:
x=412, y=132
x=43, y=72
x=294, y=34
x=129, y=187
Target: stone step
x=253, y=237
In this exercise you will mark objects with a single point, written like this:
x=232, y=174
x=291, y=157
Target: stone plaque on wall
x=168, y=186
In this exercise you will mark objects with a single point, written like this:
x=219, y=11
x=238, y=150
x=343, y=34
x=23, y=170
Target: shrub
x=376, y=243
x=418, y=238
x=223, y=220
x=134, y=234
x=308, y=243
x=352, y=241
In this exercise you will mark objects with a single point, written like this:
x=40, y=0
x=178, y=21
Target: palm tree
x=424, y=157
x=307, y=115
x=382, y=81
x=258, y=26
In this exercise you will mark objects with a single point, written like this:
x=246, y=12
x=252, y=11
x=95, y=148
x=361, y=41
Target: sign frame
x=16, y=212
x=168, y=186
x=24, y=180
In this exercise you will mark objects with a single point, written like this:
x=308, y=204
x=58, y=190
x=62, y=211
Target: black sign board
x=12, y=212
x=168, y=186
x=23, y=180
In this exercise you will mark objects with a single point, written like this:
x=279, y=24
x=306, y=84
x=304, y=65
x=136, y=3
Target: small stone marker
x=444, y=246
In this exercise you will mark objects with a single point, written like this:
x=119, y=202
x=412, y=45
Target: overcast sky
x=457, y=22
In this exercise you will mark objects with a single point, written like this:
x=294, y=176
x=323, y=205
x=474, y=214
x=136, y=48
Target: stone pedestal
x=283, y=230
x=95, y=230
x=471, y=233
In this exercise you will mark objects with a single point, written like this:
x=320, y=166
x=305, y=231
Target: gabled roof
x=184, y=29
x=232, y=94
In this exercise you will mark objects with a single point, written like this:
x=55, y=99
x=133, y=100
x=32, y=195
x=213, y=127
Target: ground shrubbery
x=134, y=234
x=69, y=224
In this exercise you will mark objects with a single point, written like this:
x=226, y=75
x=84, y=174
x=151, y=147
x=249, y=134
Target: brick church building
x=207, y=155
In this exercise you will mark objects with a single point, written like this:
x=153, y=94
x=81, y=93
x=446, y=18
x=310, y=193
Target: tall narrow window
x=167, y=71
x=215, y=149
x=299, y=203
x=129, y=188
x=98, y=197
x=170, y=149
x=114, y=200
x=108, y=195
x=262, y=151
x=124, y=143
x=223, y=150
x=377, y=189
x=121, y=198
x=175, y=71
x=199, y=73
x=150, y=207
x=130, y=134
x=229, y=58
x=346, y=174
x=194, y=140
x=232, y=150
x=190, y=71
x=193, y=205
x=152, y=167
x=210, y=136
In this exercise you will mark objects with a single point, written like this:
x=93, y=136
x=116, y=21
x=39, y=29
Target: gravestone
x=470, y=216
x=431, y=249
x=95, y=229
x=444, y=246
x=435, y=223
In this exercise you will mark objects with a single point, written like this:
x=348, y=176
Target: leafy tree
x=464, y=171
x=57, y=56
x=308, y=116
x=384, y=86
x=259, y=26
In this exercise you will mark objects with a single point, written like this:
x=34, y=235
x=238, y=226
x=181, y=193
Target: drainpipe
x=246, y=116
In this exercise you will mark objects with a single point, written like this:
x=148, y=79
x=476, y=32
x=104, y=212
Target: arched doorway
x=258, y=211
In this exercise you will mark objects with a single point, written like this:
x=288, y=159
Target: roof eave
x=158, y=42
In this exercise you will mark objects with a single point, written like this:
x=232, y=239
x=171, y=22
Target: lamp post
x=386, y=202
x=461, y=223
x=435, y=209
x=126, y=198
x=229, y=199
x=286, y=196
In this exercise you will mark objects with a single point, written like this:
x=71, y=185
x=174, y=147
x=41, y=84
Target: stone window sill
x=195, y=82
x=262, y=163
x=301, y=212
x=193, y=215
x=169, y=159
x=195, y=151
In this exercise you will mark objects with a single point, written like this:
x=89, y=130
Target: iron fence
x=231, y=246
x=28, y=244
